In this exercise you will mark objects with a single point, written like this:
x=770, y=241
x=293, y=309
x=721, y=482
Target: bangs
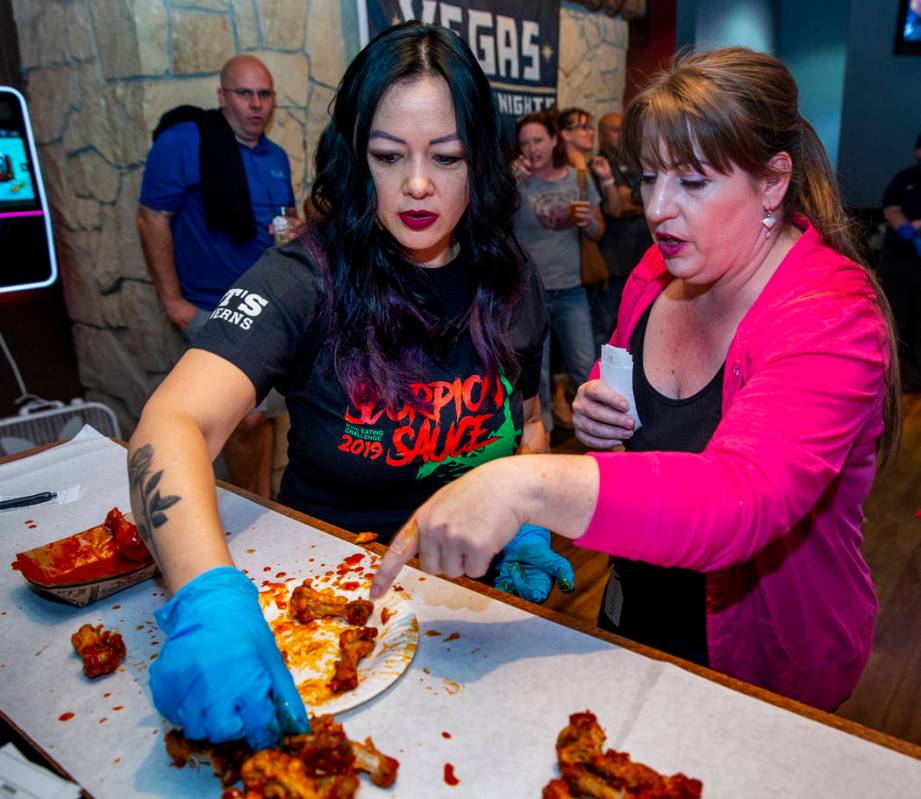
x=675, y=127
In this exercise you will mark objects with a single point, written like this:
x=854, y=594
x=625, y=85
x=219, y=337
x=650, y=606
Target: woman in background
x=551, y=217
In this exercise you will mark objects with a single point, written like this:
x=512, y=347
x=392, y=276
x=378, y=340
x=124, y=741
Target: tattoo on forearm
x=152, y=504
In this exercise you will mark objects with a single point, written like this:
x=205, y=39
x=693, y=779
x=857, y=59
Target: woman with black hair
x=405, y=331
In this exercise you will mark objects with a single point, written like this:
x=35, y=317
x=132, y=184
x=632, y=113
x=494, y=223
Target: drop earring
x=769, y=221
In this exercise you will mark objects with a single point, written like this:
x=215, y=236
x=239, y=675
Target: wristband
x=906, y=231
x=607, y=182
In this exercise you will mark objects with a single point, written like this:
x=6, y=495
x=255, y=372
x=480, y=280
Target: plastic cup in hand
x=281, y=224
x=574, y=207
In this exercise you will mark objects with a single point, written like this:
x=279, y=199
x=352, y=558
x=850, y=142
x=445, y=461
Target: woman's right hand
x=220, y=675
x=599, y=416
x=521, y=169
x=180, y=311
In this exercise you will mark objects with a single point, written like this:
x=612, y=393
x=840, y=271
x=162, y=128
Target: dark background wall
x=881, y=112
x=814, y=46
x=33, y=323
x=864, y=102
x=652, y=44
x=715, y=23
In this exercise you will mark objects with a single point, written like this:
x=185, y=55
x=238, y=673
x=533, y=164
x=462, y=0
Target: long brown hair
x=547, y=119
x=735, y=107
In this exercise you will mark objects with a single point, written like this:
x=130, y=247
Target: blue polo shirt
x=207, y=262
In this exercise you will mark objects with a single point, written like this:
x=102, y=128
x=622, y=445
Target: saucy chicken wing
x=322, y=764
x=102, y=650
x=354, y=644
x=307, y=605
x=586, y=771
x=127, y=539
x=381, y=769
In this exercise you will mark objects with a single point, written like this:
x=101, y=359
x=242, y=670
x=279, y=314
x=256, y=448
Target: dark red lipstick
x=669, y=245
x=418, y=220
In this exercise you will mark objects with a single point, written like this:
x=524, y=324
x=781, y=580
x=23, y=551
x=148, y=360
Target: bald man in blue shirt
x=193, y=264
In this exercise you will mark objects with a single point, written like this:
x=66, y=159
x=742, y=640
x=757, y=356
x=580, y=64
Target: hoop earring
x=769, y=221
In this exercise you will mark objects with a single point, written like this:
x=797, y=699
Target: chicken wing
x=586, y=771
x=354, y=644
x=322, y=764
x=381, y=769
x=102, y=650
x=274, y=774
x=226, y=759
x=128, y=541
x=307, y=605
x=580, y=740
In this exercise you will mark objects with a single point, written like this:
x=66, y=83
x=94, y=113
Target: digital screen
x=26, y=242
x=908, y=28
x=911, y=31
x=16, y=184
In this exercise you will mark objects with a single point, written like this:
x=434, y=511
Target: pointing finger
x=403, y=549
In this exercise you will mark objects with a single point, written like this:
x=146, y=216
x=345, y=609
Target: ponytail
x=816, y=196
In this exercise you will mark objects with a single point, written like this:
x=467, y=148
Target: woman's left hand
x=601, y=168
x=459, y=529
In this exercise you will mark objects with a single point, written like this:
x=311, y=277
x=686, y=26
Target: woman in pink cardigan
x=765, y=382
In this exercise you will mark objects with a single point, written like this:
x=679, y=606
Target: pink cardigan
x=771, y=510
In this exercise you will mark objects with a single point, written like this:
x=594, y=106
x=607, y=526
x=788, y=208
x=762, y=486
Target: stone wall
x=98, y=75
x=593, y=60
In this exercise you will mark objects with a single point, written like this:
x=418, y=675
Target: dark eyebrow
x=380, y=134
x=704, y=164
x=443, y=139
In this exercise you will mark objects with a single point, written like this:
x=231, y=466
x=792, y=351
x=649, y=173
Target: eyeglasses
x=586, y=126
x=247, y=94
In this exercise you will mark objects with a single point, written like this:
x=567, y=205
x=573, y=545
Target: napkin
x=617, y=374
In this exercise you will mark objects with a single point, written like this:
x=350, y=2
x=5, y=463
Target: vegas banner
x=515, y=41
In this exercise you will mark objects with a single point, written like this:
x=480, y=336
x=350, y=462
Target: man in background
x=212, y=185
x=626, y=236
x=900, y=266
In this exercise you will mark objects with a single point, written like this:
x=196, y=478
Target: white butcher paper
x=488, y=691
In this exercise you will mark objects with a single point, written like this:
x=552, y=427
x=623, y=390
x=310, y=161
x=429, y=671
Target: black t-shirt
x=666, y=607
x=904, y=190
x=626, y=238
x=368, y=468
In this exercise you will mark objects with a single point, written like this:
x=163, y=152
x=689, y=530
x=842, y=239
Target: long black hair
x=380, y=332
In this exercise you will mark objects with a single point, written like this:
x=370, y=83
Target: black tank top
x=666, y=607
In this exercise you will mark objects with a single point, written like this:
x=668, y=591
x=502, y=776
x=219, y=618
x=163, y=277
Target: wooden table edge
x=821, y=716
x=50, y=762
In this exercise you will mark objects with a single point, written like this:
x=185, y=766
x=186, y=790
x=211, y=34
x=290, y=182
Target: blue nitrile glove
x=529, y=566
x=220, y=675
x=906, y=231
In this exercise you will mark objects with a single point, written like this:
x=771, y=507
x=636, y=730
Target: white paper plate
x=394, y=647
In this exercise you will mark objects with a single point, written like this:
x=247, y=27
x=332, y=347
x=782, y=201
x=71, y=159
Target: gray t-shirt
x=544, y=229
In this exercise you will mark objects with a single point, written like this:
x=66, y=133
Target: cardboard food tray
x=82, y=594
x=81, y=568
